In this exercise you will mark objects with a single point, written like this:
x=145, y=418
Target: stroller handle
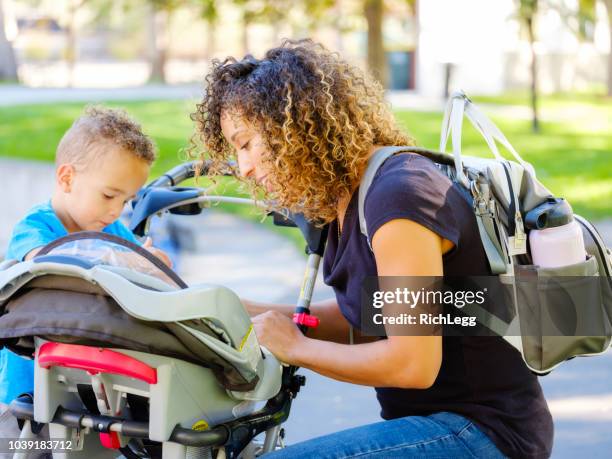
x=179, y=174
x=184, y=172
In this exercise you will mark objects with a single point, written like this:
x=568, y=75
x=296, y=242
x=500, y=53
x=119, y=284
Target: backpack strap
x=376, y=160
x=485, y=215
x=458, y=105
x=486, y=227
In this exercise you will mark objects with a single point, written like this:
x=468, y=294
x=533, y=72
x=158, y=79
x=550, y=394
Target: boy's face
x=94, y=195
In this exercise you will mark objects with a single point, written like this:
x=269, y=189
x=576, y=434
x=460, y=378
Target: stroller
x=130, y=361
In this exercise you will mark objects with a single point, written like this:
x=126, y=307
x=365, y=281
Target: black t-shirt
x=481, y=378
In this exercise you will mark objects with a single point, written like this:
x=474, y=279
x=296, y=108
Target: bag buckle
x=482, y=208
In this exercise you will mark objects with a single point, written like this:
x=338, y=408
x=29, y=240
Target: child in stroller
x=135, y=355
x=101, y=162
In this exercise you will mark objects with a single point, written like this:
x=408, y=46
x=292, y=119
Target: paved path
x=22, y=184
x=20, y=95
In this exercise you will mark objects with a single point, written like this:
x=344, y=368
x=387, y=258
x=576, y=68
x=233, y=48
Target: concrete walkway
x=21, y=95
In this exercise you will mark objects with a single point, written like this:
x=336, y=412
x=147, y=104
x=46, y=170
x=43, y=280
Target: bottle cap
x=551, y=213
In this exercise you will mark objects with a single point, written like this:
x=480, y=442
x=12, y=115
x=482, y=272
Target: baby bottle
x=555, y=237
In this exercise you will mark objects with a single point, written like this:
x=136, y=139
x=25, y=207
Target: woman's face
x=250, y=148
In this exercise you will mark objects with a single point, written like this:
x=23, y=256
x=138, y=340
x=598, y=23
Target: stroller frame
x=231, y=439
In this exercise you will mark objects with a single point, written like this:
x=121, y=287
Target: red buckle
x=307, y=320
x=110, y=440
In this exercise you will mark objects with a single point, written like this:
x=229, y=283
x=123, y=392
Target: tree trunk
x=608, y=5
x=245, y=33
x=157, y=43
x=377, y=65
x=8, y=63
x=339, y=39
x=70, y=53
x=211, y=27
x=535, y=124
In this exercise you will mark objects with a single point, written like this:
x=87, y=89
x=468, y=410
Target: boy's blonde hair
x=97, y=129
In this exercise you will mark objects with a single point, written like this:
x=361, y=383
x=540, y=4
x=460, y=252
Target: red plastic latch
x=94, y=360
x=306, y=319
x=110, y=440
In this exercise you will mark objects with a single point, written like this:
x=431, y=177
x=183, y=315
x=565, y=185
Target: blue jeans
x=438, y=436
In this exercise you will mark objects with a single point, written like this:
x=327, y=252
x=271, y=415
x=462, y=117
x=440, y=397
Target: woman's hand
x=279, y=335
x=401, y=248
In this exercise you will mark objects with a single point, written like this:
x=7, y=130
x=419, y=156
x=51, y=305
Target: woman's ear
x=64, y=175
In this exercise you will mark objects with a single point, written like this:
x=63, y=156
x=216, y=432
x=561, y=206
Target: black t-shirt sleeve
x=410, y=186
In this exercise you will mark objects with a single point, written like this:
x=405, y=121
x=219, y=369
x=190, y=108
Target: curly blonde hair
x=318, y=115
x=99, y=127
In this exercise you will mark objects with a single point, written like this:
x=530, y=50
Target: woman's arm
x=332, y=327
x=401, y=248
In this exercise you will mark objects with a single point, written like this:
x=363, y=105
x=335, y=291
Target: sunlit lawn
x=572, y=155
x=572, y=158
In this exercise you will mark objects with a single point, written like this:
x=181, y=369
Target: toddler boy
x=101, y=162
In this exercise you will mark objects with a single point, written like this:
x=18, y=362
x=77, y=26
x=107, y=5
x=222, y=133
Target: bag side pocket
x=562, y=313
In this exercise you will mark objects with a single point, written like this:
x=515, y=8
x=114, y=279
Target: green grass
x=595, y=97
x=33, y=132
x=570, y=159
x=572, y=155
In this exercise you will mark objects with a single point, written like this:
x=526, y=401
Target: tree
x=581, y=21
x=586, y=24
x=71, y=33
x=249, y=13
x=8, y=63
x=276, y=12
x=373, y=11
x=608, y=7
x=159, y=17
x=317, y=12
x=70, y=24
x=273, y=12
x=338, y=24
x=527, y=12
x=209, y=12
x=96, y=9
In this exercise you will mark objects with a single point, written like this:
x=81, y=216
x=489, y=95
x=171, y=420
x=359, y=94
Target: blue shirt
x=39, y=227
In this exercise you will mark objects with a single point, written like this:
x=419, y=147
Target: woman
x=302, y=124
